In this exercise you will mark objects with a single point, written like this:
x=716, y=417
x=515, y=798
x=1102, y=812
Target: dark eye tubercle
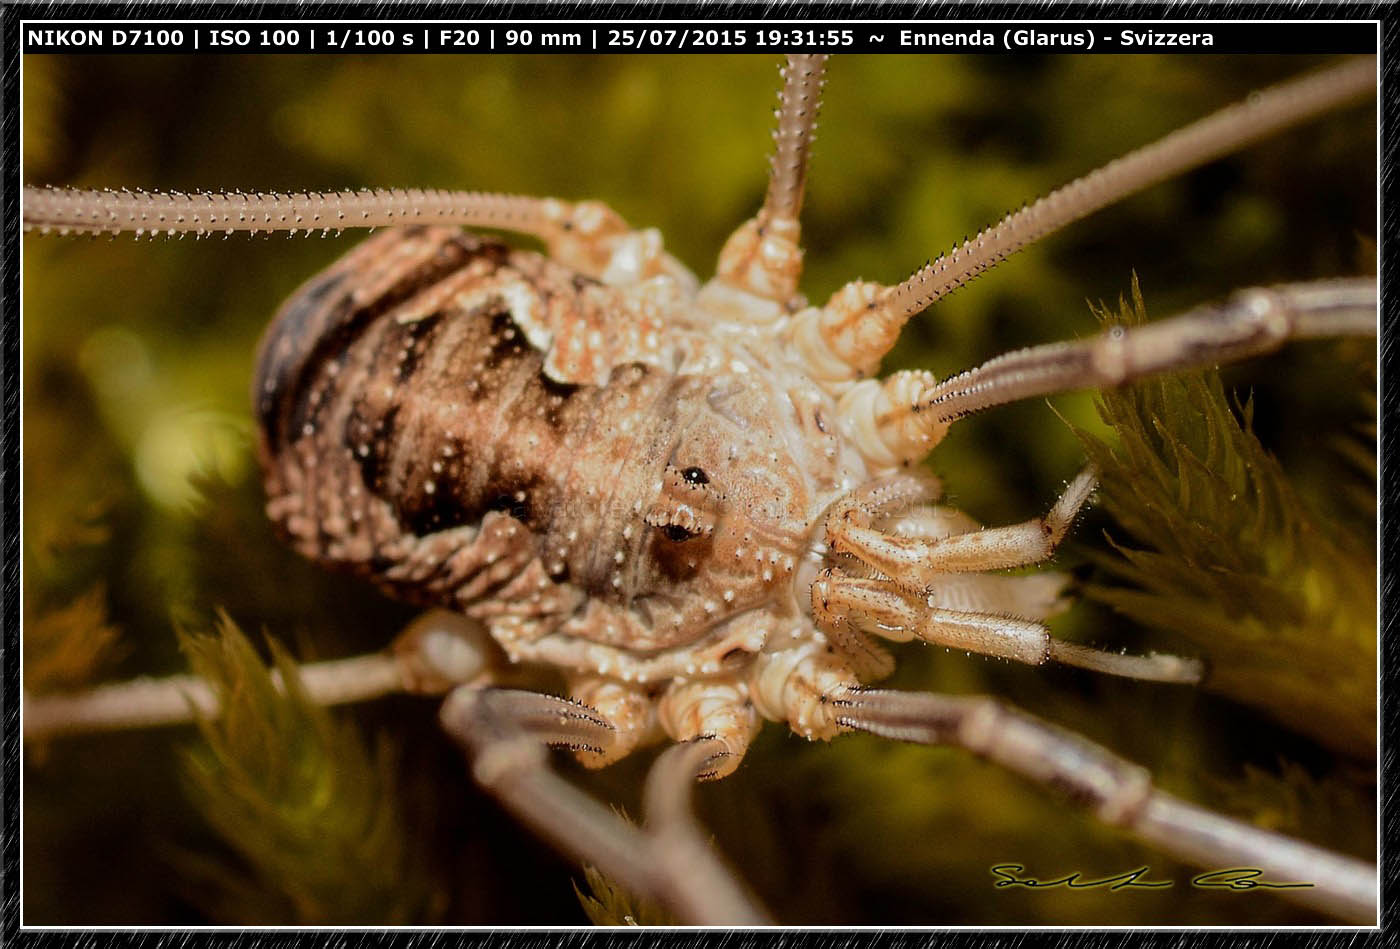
x=682, y=511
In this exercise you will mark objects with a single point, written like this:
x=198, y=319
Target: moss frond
x=1225, y=553
x=307, y=807
x=608, y=904
x=65, y=648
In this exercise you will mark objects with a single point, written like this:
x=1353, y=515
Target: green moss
x=607, y=904
x=309, y=810
x=1225, y=553
x=66, y=648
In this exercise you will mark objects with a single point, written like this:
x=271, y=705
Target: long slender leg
x=80, y=211
x=176, y=700
x=1262, y=114
x=846, y=339
x=909, y=412
x=586, y=235
x=505, y=732
x=1119, y=792
x=435, y=652
x=762, y=260
x=1250, y=323
x=879, y=608
x=713, y=894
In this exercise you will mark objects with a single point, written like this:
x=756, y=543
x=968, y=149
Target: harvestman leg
x=913, y=412
x=1251, y=323
x=506, y=731
x=762, y=260
x=711, y=894
x=1119, y=792
x=434, y=653
x=582, y=234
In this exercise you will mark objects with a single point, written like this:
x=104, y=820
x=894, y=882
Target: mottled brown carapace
x=647, y=527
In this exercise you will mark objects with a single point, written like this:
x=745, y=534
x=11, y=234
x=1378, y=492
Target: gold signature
x=1233, y=878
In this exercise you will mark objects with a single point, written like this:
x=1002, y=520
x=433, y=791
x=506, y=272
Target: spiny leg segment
x=1119, y=792
x=763, y=258
x=86, y=211
x=862, y=321
x=1262, y=114
x=1251, y=323
x=586, y=235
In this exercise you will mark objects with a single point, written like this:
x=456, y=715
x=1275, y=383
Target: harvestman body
x=696, y=501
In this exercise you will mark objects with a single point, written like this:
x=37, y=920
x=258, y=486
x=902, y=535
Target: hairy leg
x=908, y=413
x=506, y=731
x=435, y=652
x=759, y=266
x=712, y=894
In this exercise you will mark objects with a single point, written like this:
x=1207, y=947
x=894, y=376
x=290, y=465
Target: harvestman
x=786, y=493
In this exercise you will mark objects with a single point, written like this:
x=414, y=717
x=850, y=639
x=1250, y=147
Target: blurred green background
x=138, y=354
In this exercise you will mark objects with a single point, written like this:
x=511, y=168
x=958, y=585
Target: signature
x=1233, y=878
x=1239, y=878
